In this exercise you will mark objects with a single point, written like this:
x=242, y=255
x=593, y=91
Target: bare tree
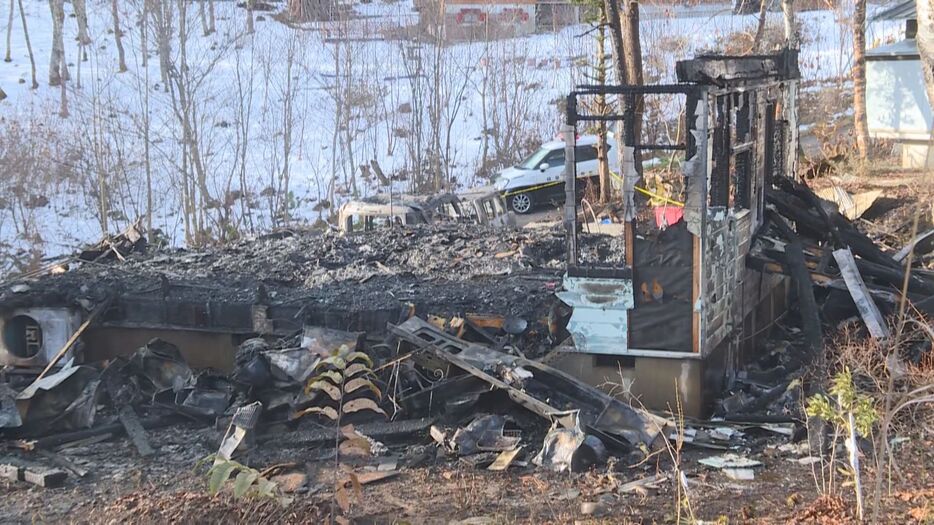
x=288, y=123
x=925, y=40
x=205, y=216
x=634, y=75
x=162, y=14
x=58, y=71
x=205, y=30
x=212, y=20
x=32, y=58
x=144, y=34
x=81, y=13
x=304, y=10
x=249, y=16
x=118, y=36
x=632, y=48
x=760, y=26
x=245, y=74
x=600, y=11
x=614, y=19
x=63, y=108
x=860, y=121
x=9, y=33
x=791, y=33
x=515, y=113
x=145, y=119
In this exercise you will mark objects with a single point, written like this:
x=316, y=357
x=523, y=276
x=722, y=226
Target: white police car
x=539, y=179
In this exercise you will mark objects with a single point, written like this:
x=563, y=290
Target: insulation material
x=695, y=171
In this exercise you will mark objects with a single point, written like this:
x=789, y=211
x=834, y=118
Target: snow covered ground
x=249, y=89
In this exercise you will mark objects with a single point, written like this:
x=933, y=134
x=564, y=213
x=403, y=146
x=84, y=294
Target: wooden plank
x=504, y=459
x=134, y=429
x=127, y=416
x=867, y=308
x=807, y=304
x=64, y=463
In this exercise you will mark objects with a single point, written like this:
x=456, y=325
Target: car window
x=555, y=158
x=532, y=161
x=585, y=153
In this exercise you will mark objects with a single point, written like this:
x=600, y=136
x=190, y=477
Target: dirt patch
x=198, y=507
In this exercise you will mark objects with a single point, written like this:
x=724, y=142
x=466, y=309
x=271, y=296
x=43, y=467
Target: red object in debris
x=666, y=216
x=551, y=286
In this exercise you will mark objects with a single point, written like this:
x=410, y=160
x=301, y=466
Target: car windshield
x=533, y=160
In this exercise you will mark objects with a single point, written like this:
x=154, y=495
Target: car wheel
x=520, y=203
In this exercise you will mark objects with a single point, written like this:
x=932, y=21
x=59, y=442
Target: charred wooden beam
x=796, y=266
x=722, y=69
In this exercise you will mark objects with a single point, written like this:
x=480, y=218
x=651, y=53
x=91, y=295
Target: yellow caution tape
x=650, y=194
x=533, y=188
x=550, y=184
x=660, y=197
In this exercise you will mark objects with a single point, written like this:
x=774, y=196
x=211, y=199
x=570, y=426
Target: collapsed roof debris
x=444, y=268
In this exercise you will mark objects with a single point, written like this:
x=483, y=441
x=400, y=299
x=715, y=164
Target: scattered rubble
x=458, y=329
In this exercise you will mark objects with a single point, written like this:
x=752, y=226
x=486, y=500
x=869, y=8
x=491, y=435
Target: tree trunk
x=611, y=8
x=212, y=20
x=9, y=33
x=162, y=18
x=791, y=35
x=925, y=40
x=634, y=76
x=205, y=30
x=287, y=124
x=81, y=13
x=860, y=122
x=118, y=36
x=632, y=48
x=760, y=28
x=57, y=70
x=147, y=153
x=249, y=16
x=63, y=109
x=32, y=58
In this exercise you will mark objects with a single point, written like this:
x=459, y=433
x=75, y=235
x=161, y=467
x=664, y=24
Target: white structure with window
x=897, y=106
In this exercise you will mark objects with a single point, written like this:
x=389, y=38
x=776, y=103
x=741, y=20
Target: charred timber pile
x=838, y=272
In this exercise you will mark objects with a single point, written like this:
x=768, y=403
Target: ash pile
x=443, y=267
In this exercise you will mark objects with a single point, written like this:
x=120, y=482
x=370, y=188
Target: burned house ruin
x=662, y=296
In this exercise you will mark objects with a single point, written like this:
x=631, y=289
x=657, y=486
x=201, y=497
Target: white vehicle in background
x=539, y=179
